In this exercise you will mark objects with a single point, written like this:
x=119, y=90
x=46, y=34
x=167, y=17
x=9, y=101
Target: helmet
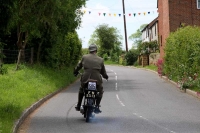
x=92, y=47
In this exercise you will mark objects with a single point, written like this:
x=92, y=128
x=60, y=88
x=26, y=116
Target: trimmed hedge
x=182, y=56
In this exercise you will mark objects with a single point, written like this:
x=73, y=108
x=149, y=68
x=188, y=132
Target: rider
x=93, y=69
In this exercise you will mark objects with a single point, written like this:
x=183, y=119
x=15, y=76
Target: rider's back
x=93, y=66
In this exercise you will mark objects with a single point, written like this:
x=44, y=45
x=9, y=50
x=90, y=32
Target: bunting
x=119, y=14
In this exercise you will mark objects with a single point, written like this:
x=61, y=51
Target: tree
x=46, y=22
x=108, y=41
x=137, y=36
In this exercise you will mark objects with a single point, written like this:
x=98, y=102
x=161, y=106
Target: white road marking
x=153, y=123
x=119, y=100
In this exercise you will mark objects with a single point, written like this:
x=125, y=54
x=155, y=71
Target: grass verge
x=151, y=67
x=109, y=62
x=20, y=89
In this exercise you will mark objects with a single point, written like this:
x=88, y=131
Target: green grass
x=20, y=89
x=109, y=62
x=151, y=67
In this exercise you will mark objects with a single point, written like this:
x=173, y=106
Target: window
x=198, y=4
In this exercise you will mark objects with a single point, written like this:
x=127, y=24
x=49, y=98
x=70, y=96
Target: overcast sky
x=97, y=13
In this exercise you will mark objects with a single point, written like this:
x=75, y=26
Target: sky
x=97, y=12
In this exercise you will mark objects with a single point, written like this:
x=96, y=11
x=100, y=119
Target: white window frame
x=198, y=4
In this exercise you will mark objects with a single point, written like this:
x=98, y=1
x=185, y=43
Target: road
x=135, y=101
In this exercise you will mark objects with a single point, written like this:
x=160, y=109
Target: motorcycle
x=89, y=102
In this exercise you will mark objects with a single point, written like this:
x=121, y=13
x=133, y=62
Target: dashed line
x=119, y=100
x=153, y=123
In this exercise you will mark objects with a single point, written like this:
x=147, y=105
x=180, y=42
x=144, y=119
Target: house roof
x=152, y=22
x=144, y=27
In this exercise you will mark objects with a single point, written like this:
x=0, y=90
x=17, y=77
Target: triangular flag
x=114, y=14
x=104, y=14
x=99, y=14
x=119, y=15
x=84, y=11
x=148, y=12
x=134, y=14
x=139, y=13
x=109, y=14
x=144, y=13
x=89, y=12
x=129, y=14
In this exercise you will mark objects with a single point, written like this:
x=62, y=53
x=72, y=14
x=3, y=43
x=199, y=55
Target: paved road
x=135, y=101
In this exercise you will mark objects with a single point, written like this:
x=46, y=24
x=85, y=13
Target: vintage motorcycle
x=89, y=102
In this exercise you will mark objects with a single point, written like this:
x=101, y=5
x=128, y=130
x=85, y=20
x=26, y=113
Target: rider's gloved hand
x=106, y=77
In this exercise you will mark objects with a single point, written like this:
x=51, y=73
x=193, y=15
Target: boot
x=97, y=110
x=80, y=97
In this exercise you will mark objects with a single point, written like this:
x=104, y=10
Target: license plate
x=90, y=94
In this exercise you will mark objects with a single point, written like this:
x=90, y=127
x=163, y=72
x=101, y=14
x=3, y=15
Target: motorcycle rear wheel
x=88, y=112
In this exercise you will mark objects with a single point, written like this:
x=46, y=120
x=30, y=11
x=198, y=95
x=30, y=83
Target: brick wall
x=173, y=13
x=163, y=24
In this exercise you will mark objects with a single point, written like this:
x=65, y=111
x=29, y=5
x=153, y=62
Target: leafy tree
x=43, y=24
x=108, y=41
x=137, y=36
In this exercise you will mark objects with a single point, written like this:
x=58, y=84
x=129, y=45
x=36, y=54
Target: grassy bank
x=150, y=67
x=20, y=89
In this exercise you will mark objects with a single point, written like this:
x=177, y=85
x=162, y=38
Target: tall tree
x=108, y=39
x=137, y=36
x=39, y=20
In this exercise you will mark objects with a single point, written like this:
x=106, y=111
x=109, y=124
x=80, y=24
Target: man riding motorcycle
x=94, y=68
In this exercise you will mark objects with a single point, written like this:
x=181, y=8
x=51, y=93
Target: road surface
x=135, y=101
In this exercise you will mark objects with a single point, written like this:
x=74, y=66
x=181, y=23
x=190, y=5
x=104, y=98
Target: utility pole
x=124, y=15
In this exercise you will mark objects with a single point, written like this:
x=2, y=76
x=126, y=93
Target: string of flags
x=119, y=14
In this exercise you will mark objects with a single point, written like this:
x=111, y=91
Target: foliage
x=150, y=67
x=85, y=51
x=137, y=36
x=3, y=70
x=20, y=89
x=105, y=57
x=182, y=58
x=108, y=41
x=148, y=47
x=131, y=56
x=65, y=53
x=40, y=24
x=109, y=62
x=160, y=67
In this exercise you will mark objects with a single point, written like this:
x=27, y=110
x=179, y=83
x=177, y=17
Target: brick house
x=174, y=13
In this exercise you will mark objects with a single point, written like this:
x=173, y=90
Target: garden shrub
x=182, y=60
x=131, y=56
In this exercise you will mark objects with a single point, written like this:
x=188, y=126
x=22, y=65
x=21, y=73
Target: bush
x=131, y=56
x=65, y=53
x=105, y=57
x=3, y=70
x=182, y=60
